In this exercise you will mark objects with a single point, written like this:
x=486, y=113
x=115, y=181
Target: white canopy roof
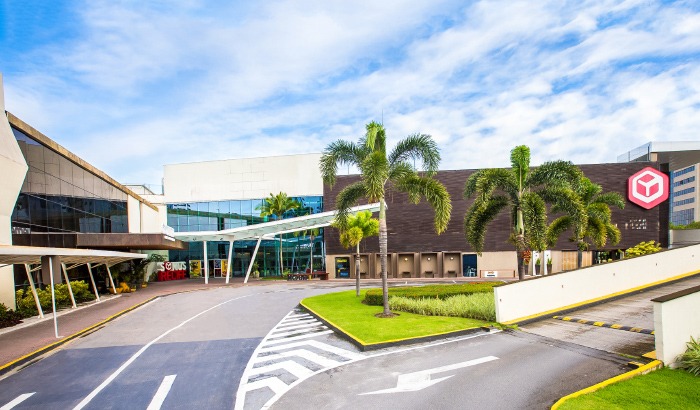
x=10, y=254
x=270, y=229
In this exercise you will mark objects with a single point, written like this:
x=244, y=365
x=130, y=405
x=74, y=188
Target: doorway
x=342, y=267
x=469, y=266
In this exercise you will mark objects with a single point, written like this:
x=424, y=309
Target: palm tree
x=597, y=227
x=277, y=205
x=359, y=227
x=311, y=233
x=524, y=192
x=377, y=169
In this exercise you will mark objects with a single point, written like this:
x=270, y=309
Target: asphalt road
x=518, y=371
x=204, y=339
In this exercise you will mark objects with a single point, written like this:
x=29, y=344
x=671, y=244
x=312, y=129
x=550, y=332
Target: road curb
x=364, y=347
x=647, y=368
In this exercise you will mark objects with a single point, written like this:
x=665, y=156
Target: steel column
x=228, y=264
x=206, y=264
x=70, y=289
x=92, y=280
x=111, y=281
x=36, y=295
x=252, y=260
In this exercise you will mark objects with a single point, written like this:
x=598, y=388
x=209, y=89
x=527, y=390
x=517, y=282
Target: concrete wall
x=249, y=178
x=505, y=263
x=13, y=169
x=134, y=209
x=682, y=237
x=530, y=298
x=152, y=220
x=675, y=321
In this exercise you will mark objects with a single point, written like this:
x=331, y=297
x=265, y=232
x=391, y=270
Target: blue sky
x=132, y=85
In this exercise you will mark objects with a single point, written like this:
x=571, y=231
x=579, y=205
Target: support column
x=206, y=264
x=36, y=295
x=48, y=265
x=228, y=264
x=252, y=260
x=111, y=281
x=92, y=280
x=70, y=289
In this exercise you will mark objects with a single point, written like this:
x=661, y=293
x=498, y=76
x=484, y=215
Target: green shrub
x=643, y=248
x=692, y=225
x=8, y=317
x=373, y=297
x=27, y=307
x=480, y=306
x=690, y=360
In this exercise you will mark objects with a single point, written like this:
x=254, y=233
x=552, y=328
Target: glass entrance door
x=469, y=266
x=342, y=267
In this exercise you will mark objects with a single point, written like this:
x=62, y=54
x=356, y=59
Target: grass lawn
x=663, y=389
x=346, y=311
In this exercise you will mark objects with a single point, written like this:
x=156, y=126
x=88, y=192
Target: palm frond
x=400, y=170
x=336, y=154
x=434, y=192
x=556, y=173
x=345, y=200
x=535, y=220
x=610, y=199
x=478, y=217
x=520, y=163
x=419, y=147
x=375, y=172
x=375, y=137
x=558, y=227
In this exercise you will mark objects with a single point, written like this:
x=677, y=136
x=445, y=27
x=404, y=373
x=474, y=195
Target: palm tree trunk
x=520, y=246
x=383, y=245
x=579, y=258
x=357, y=271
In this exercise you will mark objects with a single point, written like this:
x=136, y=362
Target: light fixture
x=428, y=257
x=406, y=259
x=452, y=258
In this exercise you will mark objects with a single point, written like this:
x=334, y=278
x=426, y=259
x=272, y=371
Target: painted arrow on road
x=422, y=379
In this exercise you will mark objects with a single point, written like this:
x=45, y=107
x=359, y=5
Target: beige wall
x=681, y=237
x=152, y=221
x=520, y=300
x=506, y=263
x=675, y=321
x=13, y=169
x=249, y=178
x=134, y=209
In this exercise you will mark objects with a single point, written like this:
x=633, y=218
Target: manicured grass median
x=663, y=389
x=346, y=311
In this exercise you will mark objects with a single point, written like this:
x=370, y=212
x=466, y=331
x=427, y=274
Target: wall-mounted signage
x=648, y=188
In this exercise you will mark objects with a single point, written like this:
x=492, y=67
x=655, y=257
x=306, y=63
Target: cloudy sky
x=132, y=85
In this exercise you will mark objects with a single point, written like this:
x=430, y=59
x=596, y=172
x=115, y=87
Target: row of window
x=683, y=171
x=682, y=192
x=684, y=181
x=684, y=202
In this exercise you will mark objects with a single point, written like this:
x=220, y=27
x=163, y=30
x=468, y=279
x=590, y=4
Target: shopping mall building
x=51, y=198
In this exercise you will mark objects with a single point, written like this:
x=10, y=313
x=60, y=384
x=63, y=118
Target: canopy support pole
x=228, y=264
x=252, y=260
x=92, y=280
x=206, y=264
x=111, y=281
x=70, y=289
x=36, y=295
x=53, y=298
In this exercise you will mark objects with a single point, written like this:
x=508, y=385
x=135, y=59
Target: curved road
x=250, y=348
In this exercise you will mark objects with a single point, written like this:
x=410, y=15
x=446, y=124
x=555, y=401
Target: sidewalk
x=22, y=340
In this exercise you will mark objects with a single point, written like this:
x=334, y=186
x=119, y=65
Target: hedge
x=27, y=307
x=374, y=296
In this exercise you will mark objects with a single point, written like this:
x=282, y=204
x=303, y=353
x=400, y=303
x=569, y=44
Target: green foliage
x=139, y=269
x=27, y=306
x=690, y=360
x=374, y=296
x=480, y=306
x=643, y=248
x=358, y=227
x=9, y=317
x=692, y=225
x=277, y=205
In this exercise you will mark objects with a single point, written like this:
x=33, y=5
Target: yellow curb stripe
x=598, y=323
x=615, y=326
x=656, y=364
x=67, y=339
x=601, y=298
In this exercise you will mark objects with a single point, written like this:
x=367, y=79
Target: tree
x=277, y=205
x=377, y=170
x=358, y=227
x=311, y=233
x=524, y=192
x=597, y=227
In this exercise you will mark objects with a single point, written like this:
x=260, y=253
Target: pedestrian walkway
x=24, y=340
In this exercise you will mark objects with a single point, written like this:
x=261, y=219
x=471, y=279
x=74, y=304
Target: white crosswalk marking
x=19, y=399
x=162, y=392
x=289, y=348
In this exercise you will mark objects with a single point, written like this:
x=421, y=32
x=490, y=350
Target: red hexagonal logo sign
x=648, y=188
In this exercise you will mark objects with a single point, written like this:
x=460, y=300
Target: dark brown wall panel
x=411, y=226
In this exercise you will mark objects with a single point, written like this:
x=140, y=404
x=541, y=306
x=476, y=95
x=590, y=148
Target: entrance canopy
x=30, y=255
x=268, y=230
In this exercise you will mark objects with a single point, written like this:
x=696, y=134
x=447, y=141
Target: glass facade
x=220, y=215
x=59, y=196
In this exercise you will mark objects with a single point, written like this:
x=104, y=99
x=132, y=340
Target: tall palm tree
x=597, y=227
x=377, y=169
x=524, y=192
x=359, y=227
x=277, y=205
x=312, y=234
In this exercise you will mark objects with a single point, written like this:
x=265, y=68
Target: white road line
x=319, y=345
x=126, y=364
x=162, y=392
x=296, y=321
x=289, y=339
x=297, y=327
x=319, y=326
x=298, y=315
x=273, y=383
x=292, y=367
x=16, y=401
x=304, y=354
